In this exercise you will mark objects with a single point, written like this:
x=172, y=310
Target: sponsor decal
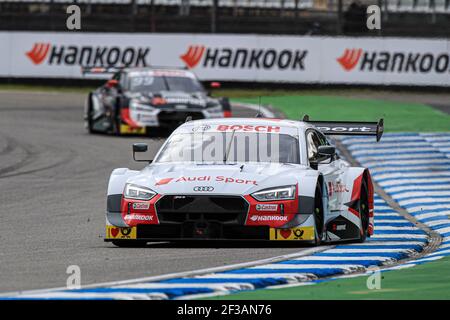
x=113, y=232
x=203, y=188
x=193, y=56
x=204, y=127
x=163, y=181
x=345, y=129
x=395, y=61
x=350, y=58
x=88, y=55
x=336, y=187
x=234, y=180
x=206, y=178
x=141, y=205
x=267, y=207
x=258, y=218
x=38, y=53
x=339, y=227
x=126, y=129
x=140, y=217
x=244, y=58
x=300, y=233
x=248, y=128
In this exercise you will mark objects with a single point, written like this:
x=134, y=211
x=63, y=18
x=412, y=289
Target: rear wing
x=106, y=70
x=100, y=70
x=348, y=128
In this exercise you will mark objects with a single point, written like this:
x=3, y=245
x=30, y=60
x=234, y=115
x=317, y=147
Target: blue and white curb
x=395, y=238
x=412, y=168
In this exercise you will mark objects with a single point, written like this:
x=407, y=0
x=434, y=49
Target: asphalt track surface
x=53, y=179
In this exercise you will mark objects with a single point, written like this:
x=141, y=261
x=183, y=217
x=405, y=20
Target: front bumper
x=191, y=230
x=206, y=217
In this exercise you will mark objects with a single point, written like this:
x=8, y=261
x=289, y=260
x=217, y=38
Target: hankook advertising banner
x=260, y=58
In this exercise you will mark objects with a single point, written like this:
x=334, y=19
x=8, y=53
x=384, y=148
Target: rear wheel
x=129, y=243
x=318, y=216
x=363, y=209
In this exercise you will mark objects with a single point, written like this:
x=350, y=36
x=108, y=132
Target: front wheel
x=89, y=114
x=318, y=216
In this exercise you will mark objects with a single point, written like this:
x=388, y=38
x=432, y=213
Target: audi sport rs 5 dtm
x=244, y=179
x=136, y=100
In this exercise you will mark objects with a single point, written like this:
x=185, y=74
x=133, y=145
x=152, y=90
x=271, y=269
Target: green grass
x=319, y=104
x=398, y=116
x=427, y=281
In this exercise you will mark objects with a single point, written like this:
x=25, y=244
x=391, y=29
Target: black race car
x=135, y=100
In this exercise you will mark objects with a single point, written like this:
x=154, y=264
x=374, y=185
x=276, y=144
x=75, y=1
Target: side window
x=313, y=143
x=322, y=139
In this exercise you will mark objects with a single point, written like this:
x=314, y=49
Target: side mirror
x=326, y=151
x=113, y=83
x=215, y=85
x=140, y=147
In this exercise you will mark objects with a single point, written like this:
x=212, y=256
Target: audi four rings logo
x=203, y=188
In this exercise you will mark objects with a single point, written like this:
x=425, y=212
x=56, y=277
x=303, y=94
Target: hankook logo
x=87, y=55
x=39, y=52
x=203, y=188
x=394, y=61
x=350, y=58
x=244, y=58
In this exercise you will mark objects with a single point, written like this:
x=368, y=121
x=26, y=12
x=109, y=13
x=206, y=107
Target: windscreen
x=230, y=147
x=156, y=83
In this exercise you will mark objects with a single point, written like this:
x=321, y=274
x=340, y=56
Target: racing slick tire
x=129, y=243
x=363, y=209
x=89, y=112
x=318, y=216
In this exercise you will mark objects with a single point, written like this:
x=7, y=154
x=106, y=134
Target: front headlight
x=279, y=193
x=137, y=105
x=133, y=191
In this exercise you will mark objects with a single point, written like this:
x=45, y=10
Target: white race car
x=244, y=179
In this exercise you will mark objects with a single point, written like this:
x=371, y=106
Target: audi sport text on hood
x=219, y=178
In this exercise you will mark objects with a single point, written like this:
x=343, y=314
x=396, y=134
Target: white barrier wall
x=233, y=57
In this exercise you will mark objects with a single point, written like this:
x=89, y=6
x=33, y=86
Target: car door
x=329, y=168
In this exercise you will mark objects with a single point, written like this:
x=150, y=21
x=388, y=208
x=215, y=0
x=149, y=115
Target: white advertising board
x=255, y=58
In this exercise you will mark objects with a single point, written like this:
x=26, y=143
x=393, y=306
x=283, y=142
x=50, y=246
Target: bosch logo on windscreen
x=247, y=128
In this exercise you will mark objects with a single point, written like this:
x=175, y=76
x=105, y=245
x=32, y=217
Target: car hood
x=237, y=179
x=174, y=98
